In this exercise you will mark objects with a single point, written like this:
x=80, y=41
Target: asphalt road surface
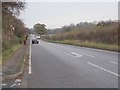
x=65, y=66
x=55, y=65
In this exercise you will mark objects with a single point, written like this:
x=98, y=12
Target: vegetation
x=88, y=44
x=13, y=29
x=102, y=35
x=40, y=28
x=9, y=52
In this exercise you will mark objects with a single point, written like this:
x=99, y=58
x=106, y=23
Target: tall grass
x=89, y=44
x=99, y=36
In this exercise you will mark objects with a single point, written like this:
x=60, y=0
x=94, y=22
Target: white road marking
x=89, y=55
x=19, y=84
x=18, y=80
x=80, y=52
x=103, y=69
x=114, y=62
x=70, y=55
x=30, y=67
x=77, y=55
x=3, y=84
x=83, y=53
x=13, y=85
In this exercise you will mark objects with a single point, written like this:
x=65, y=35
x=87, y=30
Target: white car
x=38, y=37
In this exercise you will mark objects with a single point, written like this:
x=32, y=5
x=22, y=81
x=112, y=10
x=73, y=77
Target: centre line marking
x=77, y=55
x=103, y=69
x=70, y=55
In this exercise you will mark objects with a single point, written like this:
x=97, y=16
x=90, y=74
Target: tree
x=10, y=11
x=12, y=7
x=13, y=29
x=40, y=28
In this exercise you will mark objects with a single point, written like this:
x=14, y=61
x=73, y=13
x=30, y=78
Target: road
x=65, y=66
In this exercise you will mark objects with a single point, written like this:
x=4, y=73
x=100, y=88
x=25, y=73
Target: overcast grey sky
x=57, y=14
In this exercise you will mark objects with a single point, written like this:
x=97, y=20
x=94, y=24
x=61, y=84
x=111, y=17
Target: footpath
x=15, y=64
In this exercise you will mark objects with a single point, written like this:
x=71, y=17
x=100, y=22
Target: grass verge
x=9, y=52
x=89, y=44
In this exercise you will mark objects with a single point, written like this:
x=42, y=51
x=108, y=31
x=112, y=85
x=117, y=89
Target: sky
x=58, y=14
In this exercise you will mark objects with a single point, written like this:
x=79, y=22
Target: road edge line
x=30, y=67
